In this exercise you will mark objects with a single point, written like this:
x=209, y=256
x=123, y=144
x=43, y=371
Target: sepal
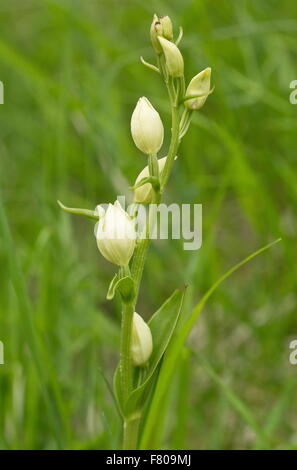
x=74, y=210
x=124, y=285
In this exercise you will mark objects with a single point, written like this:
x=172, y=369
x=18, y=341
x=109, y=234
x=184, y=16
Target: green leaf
x=180, y=35
x=126, y=287
x=112, y=287
x=111, y=391
x=74, y=210
x=162, y=325
x=117, y=390
x=150, y=66
x=201, y=95
x=173, y=352
x=153, y=180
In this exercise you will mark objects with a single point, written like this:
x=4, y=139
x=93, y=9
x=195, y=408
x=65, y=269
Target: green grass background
x=72, y=75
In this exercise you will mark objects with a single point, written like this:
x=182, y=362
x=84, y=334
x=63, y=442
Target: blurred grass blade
x=174, y=350
x=182, y=407
x=237, y=403
x=25, y=66
x=47, y=382
x=277, y=412
x=110, y=390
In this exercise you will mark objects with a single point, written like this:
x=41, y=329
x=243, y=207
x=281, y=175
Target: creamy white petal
x=143, y=194
x=146, y=127
x=142, y=341
x=116, y=235
x=199, y=85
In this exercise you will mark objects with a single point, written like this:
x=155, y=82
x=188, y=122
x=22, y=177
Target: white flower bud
x=166, y=24
x=116, y=235
x=174, y=59
x=155, y=31
x=141, y=342
x=99, y=211
x=161, y=26
x=199, y=85
x=146, y=127
x=144, y=194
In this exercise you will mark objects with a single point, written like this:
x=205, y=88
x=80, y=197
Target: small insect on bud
x=141, y=342
x=144, y=194
x=199, y=85
x=166, y=24
x=146, y=127
x=174, y=59
x=116, y=235
x=155, y=31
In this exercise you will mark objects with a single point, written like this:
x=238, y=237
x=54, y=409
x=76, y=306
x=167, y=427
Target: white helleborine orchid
x=146, y=127
x=142, y=341
x=116, y=235
x=199, y=85
x=174, y=59
x=144, y=194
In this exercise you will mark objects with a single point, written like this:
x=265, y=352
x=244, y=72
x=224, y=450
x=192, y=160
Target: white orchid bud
x=174, y=59
x=141, y=342
x=116, y=235
x=161, y=26
x=146, y=127
x=99, y=211
x=199, y=85
x=144, y=194
x=166, y=24
x=155, y=31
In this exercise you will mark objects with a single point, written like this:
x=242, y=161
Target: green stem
x=131, y=428
x=173, y=146
x=185, y=122
x=153, y=166
x=131, y=425
x=125, y=353
x=138, y=262
x=143, y=243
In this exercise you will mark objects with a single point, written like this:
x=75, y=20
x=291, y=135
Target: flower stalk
x=125, y=352
x=115, y=231
x=171, y=66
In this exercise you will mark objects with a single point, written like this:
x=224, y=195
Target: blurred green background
x=72, y=76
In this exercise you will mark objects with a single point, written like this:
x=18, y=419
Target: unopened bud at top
x=174, y=59
x=141, y=341
x=161, y=26
x=144, y=194
x=146, y=127
x=155, y=31
x=199, y=85
x=116, y=236
x=167, y=31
